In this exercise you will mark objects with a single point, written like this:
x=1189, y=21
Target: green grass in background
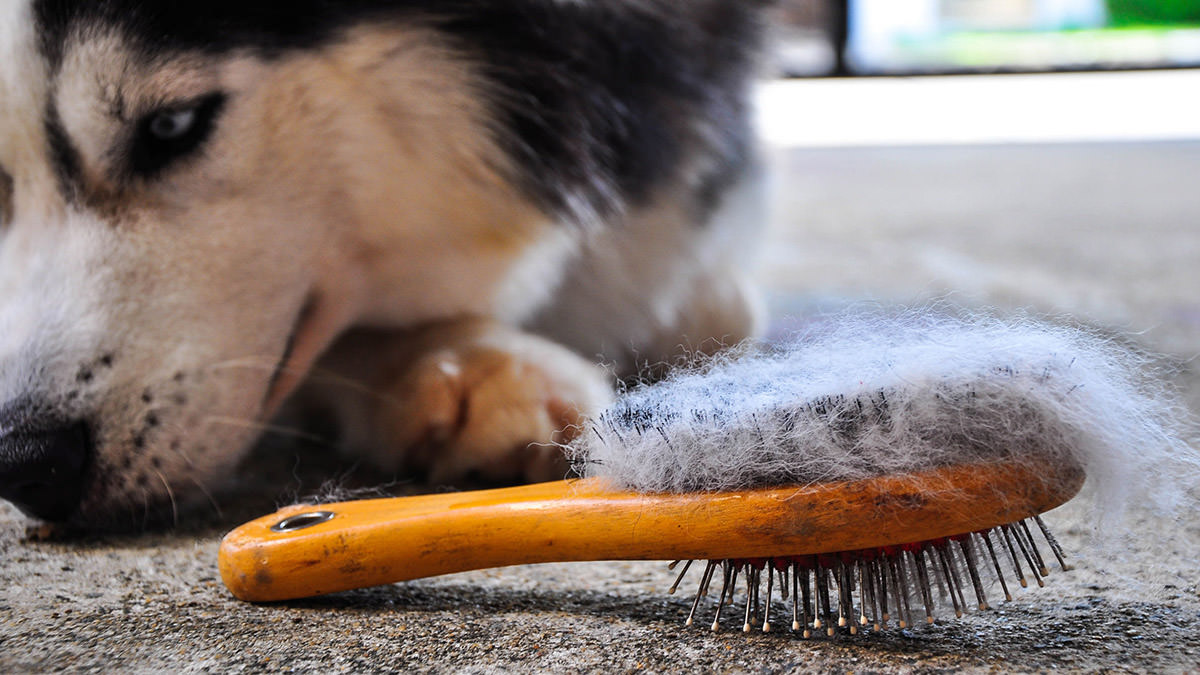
x=1154, y=12
x=1139, y=44
x=1079, y=47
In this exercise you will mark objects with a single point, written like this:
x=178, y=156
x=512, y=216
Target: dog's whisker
x=313, y=375
x=322, y=376
x=171, y=496
x=145, y=509
x=243, y=361
x=256, y=363
x=251, y=361
x=208, y=495
x=266, y=427
x=131, y=508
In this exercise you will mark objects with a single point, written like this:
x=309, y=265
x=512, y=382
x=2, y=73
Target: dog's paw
x=481, y=400
x=491, y=412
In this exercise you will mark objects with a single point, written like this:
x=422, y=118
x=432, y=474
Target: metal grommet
x=302, y=520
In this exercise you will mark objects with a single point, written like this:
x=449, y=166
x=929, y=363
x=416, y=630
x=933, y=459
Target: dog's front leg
x=469, y=397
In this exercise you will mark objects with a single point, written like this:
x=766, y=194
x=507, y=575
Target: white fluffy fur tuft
x=865, y=395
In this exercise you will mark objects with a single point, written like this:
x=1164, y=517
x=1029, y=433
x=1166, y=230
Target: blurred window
x=939, y=36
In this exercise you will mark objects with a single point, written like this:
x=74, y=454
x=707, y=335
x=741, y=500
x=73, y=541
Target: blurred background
x=1034, y=154
x=822, y=37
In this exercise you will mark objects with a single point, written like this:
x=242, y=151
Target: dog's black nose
x=41, y=467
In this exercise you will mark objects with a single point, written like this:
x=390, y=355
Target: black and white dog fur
x=435, y=217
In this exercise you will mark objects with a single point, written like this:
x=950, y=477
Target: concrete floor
x=1108, y=232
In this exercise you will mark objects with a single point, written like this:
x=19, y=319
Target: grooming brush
x=879, y=542
x=862, y=472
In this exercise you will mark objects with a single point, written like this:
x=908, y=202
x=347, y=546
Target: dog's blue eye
x=172, y=124
x=169, y=134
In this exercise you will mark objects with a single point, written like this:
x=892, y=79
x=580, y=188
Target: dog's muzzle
x=42, y=464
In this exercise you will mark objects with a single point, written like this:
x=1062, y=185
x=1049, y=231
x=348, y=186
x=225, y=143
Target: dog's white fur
x=350, y=186
x=862, y=394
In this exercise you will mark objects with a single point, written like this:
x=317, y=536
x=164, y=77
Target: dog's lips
x=287, y=370
x=321, y=318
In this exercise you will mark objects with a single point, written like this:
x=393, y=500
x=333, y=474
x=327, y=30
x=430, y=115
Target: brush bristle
x=868, y=395
x=860, y=590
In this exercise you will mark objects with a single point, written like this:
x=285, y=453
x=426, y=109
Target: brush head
x=866, y=395
x=896, y=400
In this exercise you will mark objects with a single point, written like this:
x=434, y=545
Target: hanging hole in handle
x=302, y=520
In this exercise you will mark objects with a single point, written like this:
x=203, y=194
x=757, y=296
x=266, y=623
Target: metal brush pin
x=866, y=573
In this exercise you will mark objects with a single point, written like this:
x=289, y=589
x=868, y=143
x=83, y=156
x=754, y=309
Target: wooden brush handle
x=380, y=541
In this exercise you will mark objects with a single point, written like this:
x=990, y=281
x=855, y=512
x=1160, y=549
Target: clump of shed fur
x=864, y=395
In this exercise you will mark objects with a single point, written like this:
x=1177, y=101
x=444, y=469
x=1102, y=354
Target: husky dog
x=435, y=217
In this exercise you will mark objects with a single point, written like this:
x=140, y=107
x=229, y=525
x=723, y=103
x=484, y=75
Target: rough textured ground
x=1108, y=232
